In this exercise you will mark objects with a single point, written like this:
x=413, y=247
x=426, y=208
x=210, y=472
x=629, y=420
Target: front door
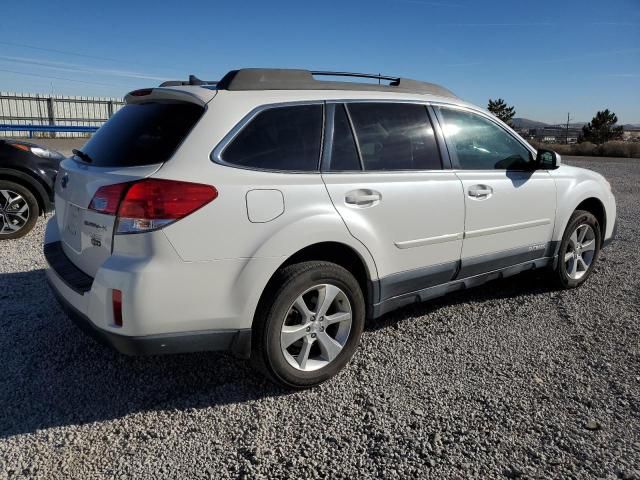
x=510, y=206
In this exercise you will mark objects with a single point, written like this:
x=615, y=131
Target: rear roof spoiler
x=200, y=96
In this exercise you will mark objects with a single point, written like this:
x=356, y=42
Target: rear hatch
x=132, y=145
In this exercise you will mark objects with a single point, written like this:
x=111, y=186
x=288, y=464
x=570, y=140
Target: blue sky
x=547, y=57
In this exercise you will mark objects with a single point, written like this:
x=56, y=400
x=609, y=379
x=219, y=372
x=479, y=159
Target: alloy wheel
x=316, y=327
x=14, y=212
x=581, y=250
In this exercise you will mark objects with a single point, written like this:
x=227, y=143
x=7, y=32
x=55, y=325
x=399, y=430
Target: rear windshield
x=142, y=134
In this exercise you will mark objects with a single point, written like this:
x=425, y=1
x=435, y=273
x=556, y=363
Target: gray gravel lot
x=512, y=379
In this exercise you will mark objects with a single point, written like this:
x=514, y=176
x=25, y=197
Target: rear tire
x=308, y=326
x=579, y=250
x=18, y=210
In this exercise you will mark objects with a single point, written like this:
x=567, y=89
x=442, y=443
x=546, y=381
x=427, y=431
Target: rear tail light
x=116, y=300
x=151, y=203
x=107, y=198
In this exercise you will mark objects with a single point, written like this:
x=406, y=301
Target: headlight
x=38, y=151
x=44, y=153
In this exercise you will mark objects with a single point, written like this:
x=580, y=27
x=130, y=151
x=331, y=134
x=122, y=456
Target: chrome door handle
x=480, y=191
x=362, y=198
x=358, y=199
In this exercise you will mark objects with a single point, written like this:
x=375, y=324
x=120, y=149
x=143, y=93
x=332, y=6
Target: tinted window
x=280, y=138
x=481, y=144
x=395, y=136
x=142, y=134
x=344, y=155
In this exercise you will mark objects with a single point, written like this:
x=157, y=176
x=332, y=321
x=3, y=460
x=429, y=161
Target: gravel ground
x=512, y=379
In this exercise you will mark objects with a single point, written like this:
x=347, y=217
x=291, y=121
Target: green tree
x=601, y=128
x=501, y=110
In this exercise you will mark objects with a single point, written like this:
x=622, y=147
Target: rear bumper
x=155, y=323
x=237, y=342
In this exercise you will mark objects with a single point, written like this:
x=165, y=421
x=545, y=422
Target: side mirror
x=547, y=160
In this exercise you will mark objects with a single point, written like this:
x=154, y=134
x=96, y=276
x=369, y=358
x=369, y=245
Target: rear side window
x=142, y=134
x=395, y=136
x=279, y=138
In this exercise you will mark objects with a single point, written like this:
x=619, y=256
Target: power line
x=67, y=52
x=53, y=50
x=56, y=78
x=82, y=69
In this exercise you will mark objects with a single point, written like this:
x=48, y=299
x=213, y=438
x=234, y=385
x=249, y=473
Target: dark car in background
x=27, y=175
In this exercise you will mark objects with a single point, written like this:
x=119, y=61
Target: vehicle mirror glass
x=546, y=160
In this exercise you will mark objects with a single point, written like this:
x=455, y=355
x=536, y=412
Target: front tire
x=18, y=210
x=309, y=324
x=579, y=249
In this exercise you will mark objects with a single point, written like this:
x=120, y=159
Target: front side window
x=279, y=138
x=395, y=136
x=480, y=144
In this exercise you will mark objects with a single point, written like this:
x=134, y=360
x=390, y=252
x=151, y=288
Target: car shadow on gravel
x=527, y=283
x=54, y=375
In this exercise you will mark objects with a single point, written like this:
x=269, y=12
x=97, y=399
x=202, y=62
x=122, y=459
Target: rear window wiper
x=84, y=156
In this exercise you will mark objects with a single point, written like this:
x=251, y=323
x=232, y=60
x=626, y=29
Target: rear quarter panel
x=222, y=230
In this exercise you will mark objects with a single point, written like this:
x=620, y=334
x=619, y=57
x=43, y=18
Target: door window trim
x=354, y=134
x=445, y=158
x=327, y=147
x=452, y=151
x=216, y=154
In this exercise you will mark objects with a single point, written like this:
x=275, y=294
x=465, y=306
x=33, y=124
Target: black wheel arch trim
x=43, y=196
x=608, y=241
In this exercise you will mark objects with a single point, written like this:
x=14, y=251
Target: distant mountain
x=526, y=123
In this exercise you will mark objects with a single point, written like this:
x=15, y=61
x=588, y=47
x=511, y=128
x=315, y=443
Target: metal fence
x=35, y=115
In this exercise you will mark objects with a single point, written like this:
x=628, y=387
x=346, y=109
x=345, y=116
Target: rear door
x=132, y=145
x=383, y=171
x=510, y=206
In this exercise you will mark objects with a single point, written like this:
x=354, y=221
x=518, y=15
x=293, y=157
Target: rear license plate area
x=72, y=234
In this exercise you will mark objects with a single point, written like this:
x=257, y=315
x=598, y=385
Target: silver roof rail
x=374, y=76
x=294, y=79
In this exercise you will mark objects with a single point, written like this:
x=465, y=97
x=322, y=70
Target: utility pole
x=566, y=136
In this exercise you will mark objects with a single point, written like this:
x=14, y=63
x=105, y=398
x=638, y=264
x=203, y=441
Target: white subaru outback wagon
x=270, y=213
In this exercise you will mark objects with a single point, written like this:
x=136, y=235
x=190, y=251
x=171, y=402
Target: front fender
x=572, y=190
